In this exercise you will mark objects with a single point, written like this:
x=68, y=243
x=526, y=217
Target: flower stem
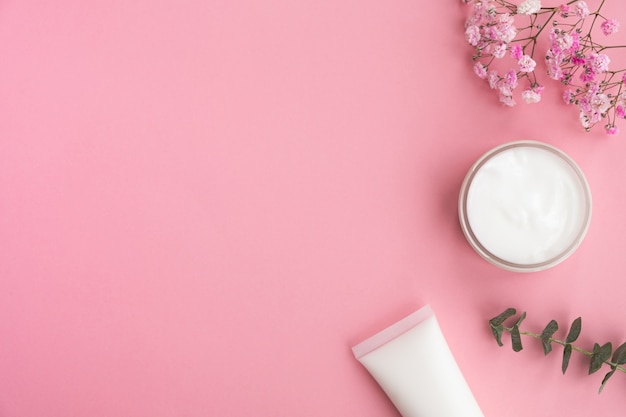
x=563, y=343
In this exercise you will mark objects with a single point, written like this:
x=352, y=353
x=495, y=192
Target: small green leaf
x=574, y=331
x=516, y=339
x=521, y=319
x=547, y=333
x=501, y=318
x=567, y=353
x=497, y=333
x=606, y=378
x=550, y=329
x=619, y=356
x=599, y=355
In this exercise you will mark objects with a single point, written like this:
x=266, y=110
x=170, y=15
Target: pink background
x=205, y=204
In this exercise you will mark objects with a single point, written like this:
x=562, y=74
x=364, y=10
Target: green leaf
x=567, y=353
x=599, y=355
x=516, y=339
x=606, y=378
x=619, y=356
x=497, y=333
x=574, y=331
x=547, y=333
x=501, y=318
x=521, y=319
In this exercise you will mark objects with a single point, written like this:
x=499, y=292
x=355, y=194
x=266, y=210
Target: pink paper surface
x=205, y=204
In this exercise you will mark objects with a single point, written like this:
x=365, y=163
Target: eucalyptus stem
x=600, y=354
x=563, y=343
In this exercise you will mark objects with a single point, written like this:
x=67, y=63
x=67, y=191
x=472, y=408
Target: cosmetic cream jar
x=525, y=206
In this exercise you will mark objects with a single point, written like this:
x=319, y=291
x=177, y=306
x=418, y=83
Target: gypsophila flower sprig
x=506, y=37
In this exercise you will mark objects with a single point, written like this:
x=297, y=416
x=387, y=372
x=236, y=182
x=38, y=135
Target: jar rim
x=481, y=249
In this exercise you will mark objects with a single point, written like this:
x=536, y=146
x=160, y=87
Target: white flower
x=582, y=10
x=472, y=35
x=507, y=100
x=509, y=34
x=493, y=79
x=584, y=120
x=529, y=7
x=561, y=40
x=526, y=64
x=600, y=103
x=530, y=96
x=599, y=63
x=499, y=50
x=480, y=70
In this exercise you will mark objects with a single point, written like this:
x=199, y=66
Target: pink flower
x=554, y=68
x=600, y=103
x=503, y=30
x=476, y=17
x=499, y=50
x=610, y=26
x=611, y=129
x=531, y=96
x=582, y=10
x=566, y=78
x=526, y=64
x=472, y=35
x=575, y=41
x=593, y=105
x=507, y=100
x=584, y=120
x=598, y=63
x=516, y=51
x=507, y=35
x=620, y=108
x=584, y=103
x=504, y=89
x=578, y=59
x=492, y=33
x=506, y=18
x=505, y=21
x=564, y=10
x=561, y=40
x=593, y=88
x=587, y=75
x=510, y=78
x=568, y=96
x=493, y=78
x=480, y=70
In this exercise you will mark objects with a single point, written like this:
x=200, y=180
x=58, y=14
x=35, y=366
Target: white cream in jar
x=525, y=206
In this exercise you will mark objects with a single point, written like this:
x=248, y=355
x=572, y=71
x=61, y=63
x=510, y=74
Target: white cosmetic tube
x=413, y=364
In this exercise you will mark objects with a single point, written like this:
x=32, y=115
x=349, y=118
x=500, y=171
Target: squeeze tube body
x=413, y=364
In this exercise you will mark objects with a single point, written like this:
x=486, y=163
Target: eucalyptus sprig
x=600, y=354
